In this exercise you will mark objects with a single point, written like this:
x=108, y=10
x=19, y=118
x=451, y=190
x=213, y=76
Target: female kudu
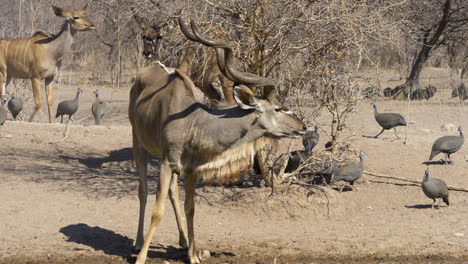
x=38, y=57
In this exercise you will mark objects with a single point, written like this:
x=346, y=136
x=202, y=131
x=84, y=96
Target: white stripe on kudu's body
x=38, y=57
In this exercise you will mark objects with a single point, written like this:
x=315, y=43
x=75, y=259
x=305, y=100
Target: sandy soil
x=75, y=201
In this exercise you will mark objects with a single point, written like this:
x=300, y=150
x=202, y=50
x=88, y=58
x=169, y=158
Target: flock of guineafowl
x=349, y=172
x=64, y=108
x=417, y=93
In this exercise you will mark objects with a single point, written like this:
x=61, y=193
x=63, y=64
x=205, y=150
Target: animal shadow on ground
x=99, y=239
x=115, y=244
x=437, y=162
x=383, y=138
x=396, y=184
x=419, y=206
x=345, y=189
x=119, y=155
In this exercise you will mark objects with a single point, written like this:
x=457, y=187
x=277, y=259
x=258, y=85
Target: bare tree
x=434, y=24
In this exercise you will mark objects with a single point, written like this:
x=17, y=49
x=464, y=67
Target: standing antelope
x=38, y=57
x=202, y=74
x=193, y=140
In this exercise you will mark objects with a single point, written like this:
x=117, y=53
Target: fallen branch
x=410, y=180
x=78, y=121
x=66, y=133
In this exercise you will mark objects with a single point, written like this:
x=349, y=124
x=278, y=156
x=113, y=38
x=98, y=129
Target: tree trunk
x=428, y=44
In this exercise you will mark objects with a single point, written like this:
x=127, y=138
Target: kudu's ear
x=82, y=10
x=143, y=23
x=245, y=98
x=61, y=12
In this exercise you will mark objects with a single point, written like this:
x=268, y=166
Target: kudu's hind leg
x=165, y=176
x=174, y=197
x=49, y=89
x=36, y=85
x=140, y=157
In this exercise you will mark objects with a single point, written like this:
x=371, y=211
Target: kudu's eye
x=75, y=18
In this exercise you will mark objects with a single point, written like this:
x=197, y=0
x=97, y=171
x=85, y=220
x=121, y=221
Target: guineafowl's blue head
x=460, y=129
x=374, y=105
x=340, y=153
x=426, y=175
x=361, y=155
x=316, y=129
x=96, y=93
x=79, y=92
x=4, y=99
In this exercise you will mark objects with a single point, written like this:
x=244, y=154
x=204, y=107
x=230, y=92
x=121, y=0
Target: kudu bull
x=203, y=73
x=38, y=57
x=194, y=141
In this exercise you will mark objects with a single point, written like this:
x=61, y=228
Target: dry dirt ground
x=75, y=201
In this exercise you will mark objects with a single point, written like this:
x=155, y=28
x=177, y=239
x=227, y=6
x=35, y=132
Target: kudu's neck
x=61, y=43
x=230, y=127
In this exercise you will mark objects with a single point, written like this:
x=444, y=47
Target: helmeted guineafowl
x=462, y=91
x=435, y=188
x=447, y=145
x=3, y=111
x=387, y=92
x=298, y=157
x=349, y=172
x=98, y=108
x=388, y=120
x=454, y=92
x=68, y=107
x=310, y=139
x=15, y=105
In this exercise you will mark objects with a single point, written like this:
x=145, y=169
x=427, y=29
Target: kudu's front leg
x=141, y=162
x=49, y=89
x=190, y=181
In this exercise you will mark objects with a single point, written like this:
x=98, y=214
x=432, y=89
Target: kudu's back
x=154, y=98
x=18, y=55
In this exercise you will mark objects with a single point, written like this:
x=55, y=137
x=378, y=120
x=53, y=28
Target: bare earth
x=75, y=201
